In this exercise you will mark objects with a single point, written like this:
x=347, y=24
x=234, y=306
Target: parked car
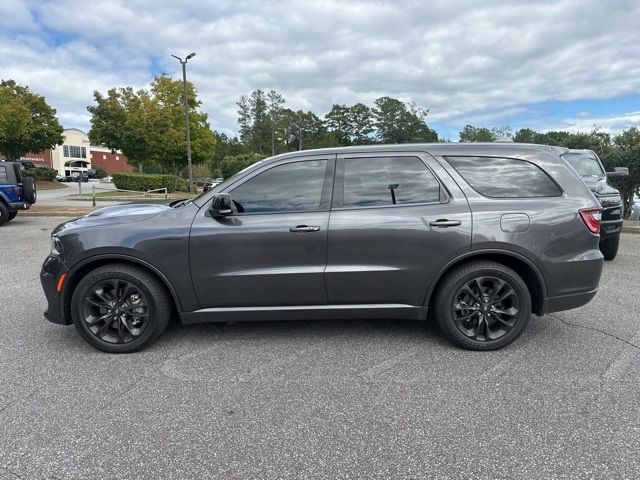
x=17, y=192
x=107, y=179
x=75, y=178
x=587, y=164
x=635, y=208
x=210, y=184
x=475, y=236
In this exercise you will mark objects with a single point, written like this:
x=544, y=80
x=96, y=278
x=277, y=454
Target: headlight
x=56, y=247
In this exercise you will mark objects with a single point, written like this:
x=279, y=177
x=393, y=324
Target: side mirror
x=618, y=172
x=222, y=206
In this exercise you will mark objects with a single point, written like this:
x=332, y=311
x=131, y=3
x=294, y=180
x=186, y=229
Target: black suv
x=478, y=236
x=587, y=164
x=16, y=192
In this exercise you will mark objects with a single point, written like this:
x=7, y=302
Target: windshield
x=585, y=163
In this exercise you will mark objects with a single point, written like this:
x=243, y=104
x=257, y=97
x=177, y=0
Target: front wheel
x=120, y=308
x=609, y=247
x=483, y=306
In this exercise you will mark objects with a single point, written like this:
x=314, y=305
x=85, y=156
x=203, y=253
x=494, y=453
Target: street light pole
x=186, y=113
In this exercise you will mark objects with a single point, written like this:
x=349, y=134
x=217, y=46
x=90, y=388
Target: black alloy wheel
x=485, y=308
x=115, y=311
x=482, y=305
x=120, y=308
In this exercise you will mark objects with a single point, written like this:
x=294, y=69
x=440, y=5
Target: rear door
x=396, y=220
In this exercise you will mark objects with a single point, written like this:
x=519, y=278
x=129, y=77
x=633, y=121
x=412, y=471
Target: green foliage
x=266, y=125
x=101, y=173
x=41, y=173
x=231, y=165
x=225, y=147
x=397, y=122
x=27, y=122
x=142, y=182
x=149, y=126
x=476, y=134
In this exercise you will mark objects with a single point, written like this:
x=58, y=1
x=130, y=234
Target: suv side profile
x=476, y=236
x=16, y=192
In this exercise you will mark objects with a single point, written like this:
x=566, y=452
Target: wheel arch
x=78, y=271
x=520, y=264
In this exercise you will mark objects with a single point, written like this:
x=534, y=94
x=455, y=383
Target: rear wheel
x=29, y=189
x=609, y=247
x=12, y=215
x=483, y=306
x=4, y=213
x=120, y=308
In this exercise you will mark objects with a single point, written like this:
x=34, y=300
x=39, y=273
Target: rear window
x=505, y=177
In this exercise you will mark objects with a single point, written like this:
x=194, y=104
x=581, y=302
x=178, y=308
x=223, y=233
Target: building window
x=73, y=151
x=117, y=157
x=104, y=157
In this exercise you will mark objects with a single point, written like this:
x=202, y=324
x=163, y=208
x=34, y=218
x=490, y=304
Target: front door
x=272, y=250
x=396, y=220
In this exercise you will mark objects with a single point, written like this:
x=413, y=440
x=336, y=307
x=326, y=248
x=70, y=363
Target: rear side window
x=505, y=177
x=3, y=174
x=291, y=187
x=380, y=181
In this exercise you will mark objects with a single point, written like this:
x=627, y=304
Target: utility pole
x=186, y=114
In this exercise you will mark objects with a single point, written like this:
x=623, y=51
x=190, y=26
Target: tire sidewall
x=4, y=213
x=29, y=190
x=524, y=299
x=79, y=295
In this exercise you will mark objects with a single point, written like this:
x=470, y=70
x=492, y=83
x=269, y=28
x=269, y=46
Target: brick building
x=77, y=155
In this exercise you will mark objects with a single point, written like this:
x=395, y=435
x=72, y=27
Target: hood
x=600, y=186
x=135, y=212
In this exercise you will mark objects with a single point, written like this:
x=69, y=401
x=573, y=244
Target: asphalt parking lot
x=356, y=399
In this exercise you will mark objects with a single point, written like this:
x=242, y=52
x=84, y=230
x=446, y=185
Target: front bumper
x=14, y=206
x=52, y=269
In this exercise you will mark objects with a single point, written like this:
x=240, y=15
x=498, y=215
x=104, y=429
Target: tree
x=27, y=122
x=231, y=165
x=275, y=101
x=338, y=121
x=225, y=147
x=476, y=134
x=360, y=124
x=625, y=152
x=396, y=122
x=148, y=126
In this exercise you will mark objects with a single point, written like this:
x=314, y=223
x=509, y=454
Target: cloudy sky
x=550, y=65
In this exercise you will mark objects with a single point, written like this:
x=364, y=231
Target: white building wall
x=76, y=138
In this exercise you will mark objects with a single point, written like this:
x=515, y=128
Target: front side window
x=504, y=177
x=292, y=187
x=380, y=181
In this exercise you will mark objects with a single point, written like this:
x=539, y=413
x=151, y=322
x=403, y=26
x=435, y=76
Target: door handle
x=304, y=228
x=444, y=223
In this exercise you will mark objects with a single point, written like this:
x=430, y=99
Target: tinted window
x=504, y=177
x=388, y=181
x=289, y=187
x=3, y=174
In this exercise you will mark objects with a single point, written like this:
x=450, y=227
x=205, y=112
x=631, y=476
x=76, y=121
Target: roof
x=441, y=148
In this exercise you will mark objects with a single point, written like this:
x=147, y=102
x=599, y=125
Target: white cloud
x=455, y=58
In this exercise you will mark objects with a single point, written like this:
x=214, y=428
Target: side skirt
x=305, y=312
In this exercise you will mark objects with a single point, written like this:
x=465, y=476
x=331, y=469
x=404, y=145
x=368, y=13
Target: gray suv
x=475, y=236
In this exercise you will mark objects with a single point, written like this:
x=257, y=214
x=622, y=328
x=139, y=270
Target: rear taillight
x=591, y=218
x=18, y=191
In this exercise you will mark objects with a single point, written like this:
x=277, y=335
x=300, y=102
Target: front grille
x=612, y=213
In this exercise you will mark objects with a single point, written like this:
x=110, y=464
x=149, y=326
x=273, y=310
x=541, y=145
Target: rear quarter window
x=505, y=177
x=3, y=174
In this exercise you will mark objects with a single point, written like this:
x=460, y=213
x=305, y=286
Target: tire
x=119, y=308
x=491, y=329
x=609, y=247
x=12, y=215
x=29, y=189
x=4, y=213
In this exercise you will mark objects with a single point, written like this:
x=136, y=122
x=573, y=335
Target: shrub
x=101, y=173
x=142, y=182
x=41, y=173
